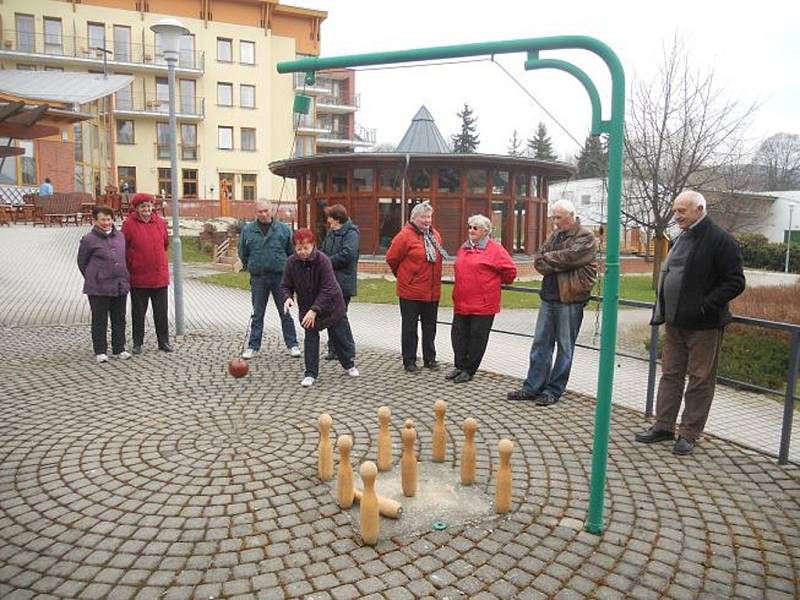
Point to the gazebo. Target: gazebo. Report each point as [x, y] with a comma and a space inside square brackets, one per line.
[380, 188]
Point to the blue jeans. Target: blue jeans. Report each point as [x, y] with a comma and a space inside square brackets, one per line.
[261, 286]
[557, 323]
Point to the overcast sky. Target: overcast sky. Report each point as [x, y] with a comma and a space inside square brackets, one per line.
[753, 48]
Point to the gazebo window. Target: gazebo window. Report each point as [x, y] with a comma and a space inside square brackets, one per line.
[420, 180]
[534, 186]
[449, 181]
[521, 184]
[388, 221]
[390, 179]
[322, 182]
[476, 181]
[362, 180]
[500, 185]
[339, 181]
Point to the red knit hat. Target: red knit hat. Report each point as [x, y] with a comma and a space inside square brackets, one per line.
[141, 197]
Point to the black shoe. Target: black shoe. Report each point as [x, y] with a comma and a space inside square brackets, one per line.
[462, 377]
[653, 435]
[432, 365]
[521, 395]
[452, 373]
[546, 400]
[683, 447]
[411, 368]
[330, 356]
[165, 347]
[137, 349]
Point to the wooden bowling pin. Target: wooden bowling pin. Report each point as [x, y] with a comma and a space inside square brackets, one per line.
[386, 506]
[384, 439]
[439, 432]
[468, 452]
[408, 462]
[325, 466]
[344, 478]
[502, 492]
[368, 509]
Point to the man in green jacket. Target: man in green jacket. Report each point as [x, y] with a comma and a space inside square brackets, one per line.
[264, 245]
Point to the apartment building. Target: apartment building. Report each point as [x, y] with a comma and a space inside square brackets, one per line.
[234, 110]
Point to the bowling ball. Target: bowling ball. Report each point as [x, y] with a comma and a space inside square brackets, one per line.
[238, 367]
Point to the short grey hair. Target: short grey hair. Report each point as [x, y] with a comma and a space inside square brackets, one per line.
[565, 205]
[263, 202]
[480, 221]
[696, 198]
[419, 209]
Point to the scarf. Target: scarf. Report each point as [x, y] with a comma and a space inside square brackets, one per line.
[432, 245]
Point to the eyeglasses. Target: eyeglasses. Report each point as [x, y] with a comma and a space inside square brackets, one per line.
[473, 227]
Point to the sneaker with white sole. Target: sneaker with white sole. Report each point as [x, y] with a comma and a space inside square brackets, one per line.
[101, 358]
[307, 381]
[353, 372]
[295, 352]
[124, 355]
[249, 353]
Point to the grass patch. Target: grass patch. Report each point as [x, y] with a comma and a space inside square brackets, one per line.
[233, 280]
[190, 250]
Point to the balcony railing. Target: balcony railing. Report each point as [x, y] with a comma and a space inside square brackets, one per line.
[185, 151]
[57, 48]
[345, 100]
[185, 106]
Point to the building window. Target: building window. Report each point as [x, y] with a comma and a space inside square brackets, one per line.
[97, 38]
[122, 43]
[224, 94]
[165, 181]
[162, 95]
[26, 67]
[247, 96]
[186, 52]
[186, 99]
[226, 186]
[224, 49]
[303, 146]
[79, 178]
[248, 139]
[247, 52]
[125, 132]
[162, 141]
[190, 183]
[123, 99]
[59, 69]
[53, 36]
[126, 179]
[26, 39]
[249, 186]
[188, 141]
[225, 138]
[78, 134]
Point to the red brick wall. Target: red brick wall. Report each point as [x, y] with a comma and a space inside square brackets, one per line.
[56, 159]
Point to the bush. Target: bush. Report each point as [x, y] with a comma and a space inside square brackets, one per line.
[209, 228]
[759, 253]
[237, 226]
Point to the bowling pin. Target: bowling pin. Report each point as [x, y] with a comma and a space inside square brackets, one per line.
[344, 478]
[325, 466]
[468, 452]
[439, 432]
[384, 439]
[502, 493]
[386, 506]
[368, 509]
[408, 462]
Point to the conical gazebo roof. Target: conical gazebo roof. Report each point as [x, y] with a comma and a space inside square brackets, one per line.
[422, 136]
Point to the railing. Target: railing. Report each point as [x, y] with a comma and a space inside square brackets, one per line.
[343, 100]
[117, 52]
[791, 376]
[191, 106]
[185, 151]
[221, 250]
[300, 82]
[13, 194]
[365, 134]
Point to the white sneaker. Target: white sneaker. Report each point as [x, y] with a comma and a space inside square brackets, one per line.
[353, 372]
[101, 358]
[124, 355]
[295, 352]
[249, 353]
[307, 381]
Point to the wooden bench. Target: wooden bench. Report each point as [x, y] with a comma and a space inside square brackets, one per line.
[58, 208]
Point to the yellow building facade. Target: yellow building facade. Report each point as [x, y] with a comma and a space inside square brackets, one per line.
[234, 111]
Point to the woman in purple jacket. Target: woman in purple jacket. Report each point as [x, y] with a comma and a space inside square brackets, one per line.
[101, 260]
[309, 275]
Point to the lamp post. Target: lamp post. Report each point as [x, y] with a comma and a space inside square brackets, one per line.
[788, 238]
[170, 32]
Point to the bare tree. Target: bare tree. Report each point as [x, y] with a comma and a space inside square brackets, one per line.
[779, 155]
[680, 128]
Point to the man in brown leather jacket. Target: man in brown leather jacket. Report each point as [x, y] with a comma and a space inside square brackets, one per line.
[568, 261]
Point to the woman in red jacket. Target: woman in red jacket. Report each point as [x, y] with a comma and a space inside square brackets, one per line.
[415, 257]
[482, 265]
[146, 251]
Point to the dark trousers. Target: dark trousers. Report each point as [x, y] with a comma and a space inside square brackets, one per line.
[469, 336]
[343, 348]
[102, 308]
[140, 297]
[413, 312]
[261, 287]
[349, 330]
[695, 353]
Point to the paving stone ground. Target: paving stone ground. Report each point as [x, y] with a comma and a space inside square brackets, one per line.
[163, 477]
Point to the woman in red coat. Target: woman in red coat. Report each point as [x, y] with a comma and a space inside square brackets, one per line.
[146, 251]
[415, 257]
[482, 265]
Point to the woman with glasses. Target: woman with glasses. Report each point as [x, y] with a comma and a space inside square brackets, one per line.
[481, 266]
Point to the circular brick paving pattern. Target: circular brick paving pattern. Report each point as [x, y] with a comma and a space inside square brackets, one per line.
[163, 477]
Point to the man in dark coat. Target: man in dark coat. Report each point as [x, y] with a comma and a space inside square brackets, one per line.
[309, 276]
[700, 276]
[341, 246]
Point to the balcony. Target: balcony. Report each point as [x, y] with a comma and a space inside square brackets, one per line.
[187, 108]
[318, 89]
[186, 152]
[334, 138]
[338, 104]
[71, 51]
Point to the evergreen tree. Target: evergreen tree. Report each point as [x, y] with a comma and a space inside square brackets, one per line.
[540, 146]
[593, 159]
[467, 141]
[514, 144]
